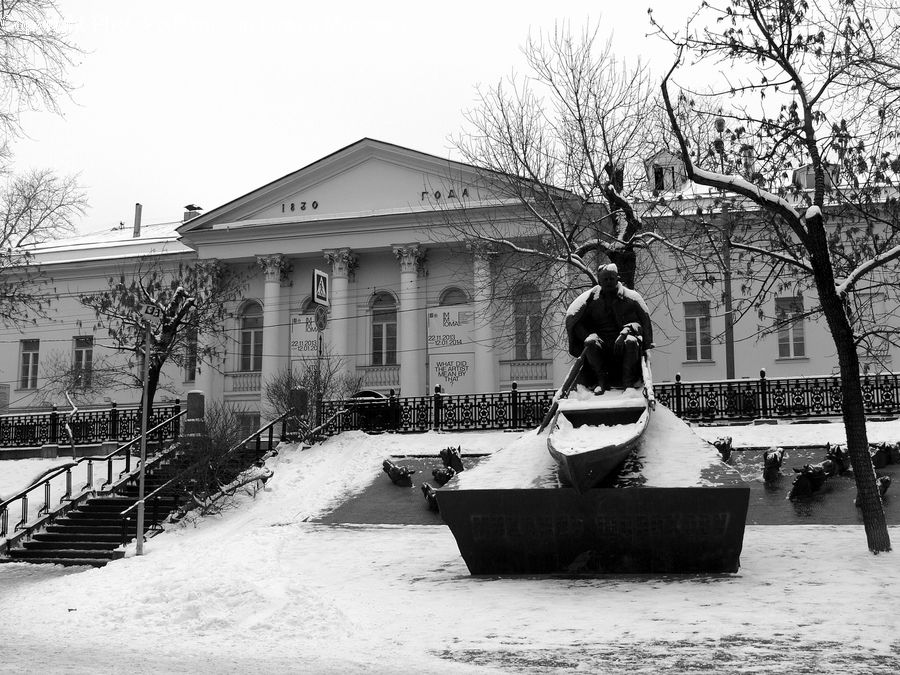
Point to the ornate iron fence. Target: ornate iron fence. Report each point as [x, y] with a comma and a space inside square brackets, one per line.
[87, 426]
[780, 398]
[512, 409]
[712, 401]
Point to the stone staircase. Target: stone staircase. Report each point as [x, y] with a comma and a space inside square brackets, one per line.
[92, 532]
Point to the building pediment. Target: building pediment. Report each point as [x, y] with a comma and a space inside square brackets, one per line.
[367, 178]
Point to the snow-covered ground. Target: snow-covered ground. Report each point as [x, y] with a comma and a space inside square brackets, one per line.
[261, 589]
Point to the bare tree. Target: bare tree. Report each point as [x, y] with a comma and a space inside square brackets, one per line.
[217, 470]
[35, 55]
[324, 378]
[34, 208]
[82, 382]
[566, 143]
[193, 301]
[809, 86]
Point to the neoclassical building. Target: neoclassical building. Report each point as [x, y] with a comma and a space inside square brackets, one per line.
[409, 306]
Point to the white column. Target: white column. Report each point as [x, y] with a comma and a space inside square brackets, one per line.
[343, 265]
[210, 380]
[274, 326]
[410, 340]
[483, 332]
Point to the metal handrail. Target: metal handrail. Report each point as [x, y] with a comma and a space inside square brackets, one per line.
[237, 446]
[67, 469]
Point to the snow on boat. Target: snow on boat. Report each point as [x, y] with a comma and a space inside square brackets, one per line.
[592, 435]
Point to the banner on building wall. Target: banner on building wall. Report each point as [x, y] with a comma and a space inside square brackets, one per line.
[451, 355]
[304, 337]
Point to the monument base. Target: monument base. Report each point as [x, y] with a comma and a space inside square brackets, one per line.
[604, 530]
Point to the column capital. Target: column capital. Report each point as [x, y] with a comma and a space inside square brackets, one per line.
[276, 268]
[411, 257]
[344, 262]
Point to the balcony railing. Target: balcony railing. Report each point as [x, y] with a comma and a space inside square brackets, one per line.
[525, 372]
[380, 377]
[243, 382]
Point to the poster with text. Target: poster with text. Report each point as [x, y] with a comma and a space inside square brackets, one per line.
[451, 356]
[304, 337]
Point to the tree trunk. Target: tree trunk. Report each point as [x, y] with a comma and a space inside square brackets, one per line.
[626, 260]
[851, 392]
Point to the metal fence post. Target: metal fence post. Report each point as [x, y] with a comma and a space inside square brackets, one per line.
[763, 393]
[678, 407]
[394, 408]
[514, 396]
[437, 407]
[54, 426]
[176, 411]
[113, 422]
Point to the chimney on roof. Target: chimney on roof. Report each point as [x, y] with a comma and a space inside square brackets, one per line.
[137, 220]
[191, 211]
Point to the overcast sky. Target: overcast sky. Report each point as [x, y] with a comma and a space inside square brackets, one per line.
[203, 101]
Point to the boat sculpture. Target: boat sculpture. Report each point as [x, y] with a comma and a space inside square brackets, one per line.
[591, 435]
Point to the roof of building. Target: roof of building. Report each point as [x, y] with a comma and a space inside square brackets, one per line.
[118, 242]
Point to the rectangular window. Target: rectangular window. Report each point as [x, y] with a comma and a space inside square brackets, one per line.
[190, 360]
[384, 344]
[521, 337]
[83, 360]
[789, 325]
[663, 177]
[697, 333]
[251, 346]
[528, 337]
[528, 320]
[29, 362]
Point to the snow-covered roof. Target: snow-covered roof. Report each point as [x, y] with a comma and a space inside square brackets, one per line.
[115, 243]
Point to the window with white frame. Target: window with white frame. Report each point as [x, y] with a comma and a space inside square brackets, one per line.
[789, 326]
[28, 371]
[384, 330]
[697, 333]
[83, 360]
[251, 340]
[190, 356]
[528, 321]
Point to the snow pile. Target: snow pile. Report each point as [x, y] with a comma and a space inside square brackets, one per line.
[570, 440]
[671, 454]
[523, 463]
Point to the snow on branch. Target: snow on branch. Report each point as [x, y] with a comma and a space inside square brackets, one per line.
[861, 270]
[743, 187]
[790, 260]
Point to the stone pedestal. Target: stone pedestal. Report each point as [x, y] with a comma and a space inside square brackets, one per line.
[605, 530]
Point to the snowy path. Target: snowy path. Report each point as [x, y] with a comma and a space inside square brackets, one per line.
[310, 598]
[263, 590]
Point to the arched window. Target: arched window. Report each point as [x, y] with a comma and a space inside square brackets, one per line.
[251, 337]
[527, 316]
[453, 296]
[308, 306]
[384, 330]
